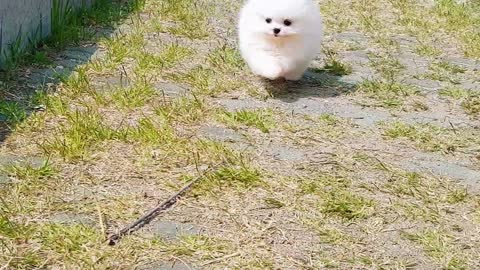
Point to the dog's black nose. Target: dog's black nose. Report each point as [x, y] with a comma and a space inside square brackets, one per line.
[276, 30]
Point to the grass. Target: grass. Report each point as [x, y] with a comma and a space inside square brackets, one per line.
[183, 109]
[444, 72]
[202, 247]
[119, 150]
[334, 65]
[387, 94]
[260, 119]
[427, 50]
[81, 131]
[133, 96]
[346, 205]
[454, 92]
[329, 119]
[429, 137]
[168, 58]
[12, 112]
[226, 58]
[336, 198]
[29, 171]
[439, 246]
[469, 99]
[461, 20]
[189, 18]
[70, 26]
[387, 66]
[149, 132]
[471, 104]
[237, 176]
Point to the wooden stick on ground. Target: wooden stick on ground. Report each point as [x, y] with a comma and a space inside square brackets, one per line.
[145, 219]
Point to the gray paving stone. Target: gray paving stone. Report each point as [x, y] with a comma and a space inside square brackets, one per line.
[168, 266]
[72, 219]
[285, 153]
[220, 134]
[170, 230]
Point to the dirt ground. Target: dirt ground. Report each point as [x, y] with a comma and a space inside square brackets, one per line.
[371, 161]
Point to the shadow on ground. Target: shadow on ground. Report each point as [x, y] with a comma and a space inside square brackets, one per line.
[313, 84]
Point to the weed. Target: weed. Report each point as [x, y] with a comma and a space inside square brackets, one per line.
[226, 59]
[346, 205]
[331, 235]
[30, 172]
[12, 112]
[183, 109]
[69, 241]
[333, 65]
[133, 96]
[388, 94]
[439, 246]
[427, 50]
[236, 176]
[387, 66]
[197, 245]
[73, 138]
[329, 119]
[67, 25]
[453, 92]
[470, 99]
[261, 119]
[149, 132]
[471, 104]
[188, 16]
[457, 196]
[169, 56]
[429, 137]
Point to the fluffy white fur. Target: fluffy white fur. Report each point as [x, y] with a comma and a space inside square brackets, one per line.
[288, 52]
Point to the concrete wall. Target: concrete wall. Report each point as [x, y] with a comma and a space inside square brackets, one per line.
[26, 20]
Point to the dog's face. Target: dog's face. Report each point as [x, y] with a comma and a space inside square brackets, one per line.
[280, 18]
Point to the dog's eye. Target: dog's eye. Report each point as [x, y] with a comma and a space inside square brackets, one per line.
[287, 22]
[268, 20]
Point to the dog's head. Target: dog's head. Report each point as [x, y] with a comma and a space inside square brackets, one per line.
[281, 18]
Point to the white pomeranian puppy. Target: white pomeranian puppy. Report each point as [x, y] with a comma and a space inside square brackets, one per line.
[279, 38]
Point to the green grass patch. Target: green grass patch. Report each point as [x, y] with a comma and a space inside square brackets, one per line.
[12, 112]
[134, 96]
[168, 58]
[198, 246]
[427, 50]
[150, 132]
[71, 26]
[470, 99]
[334, 65]
[429, 137]
[347, 205]
[387, 94]
[80, 131]
[189, 18]
[454, 92]
[237, 176]
[471, 104]
[388, 66]
[183, 109]
[440, 247]
[260, 119]
[226, 59]
[29, 171]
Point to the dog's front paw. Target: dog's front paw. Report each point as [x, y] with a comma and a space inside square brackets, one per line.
[272, 72]
[293, 76]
